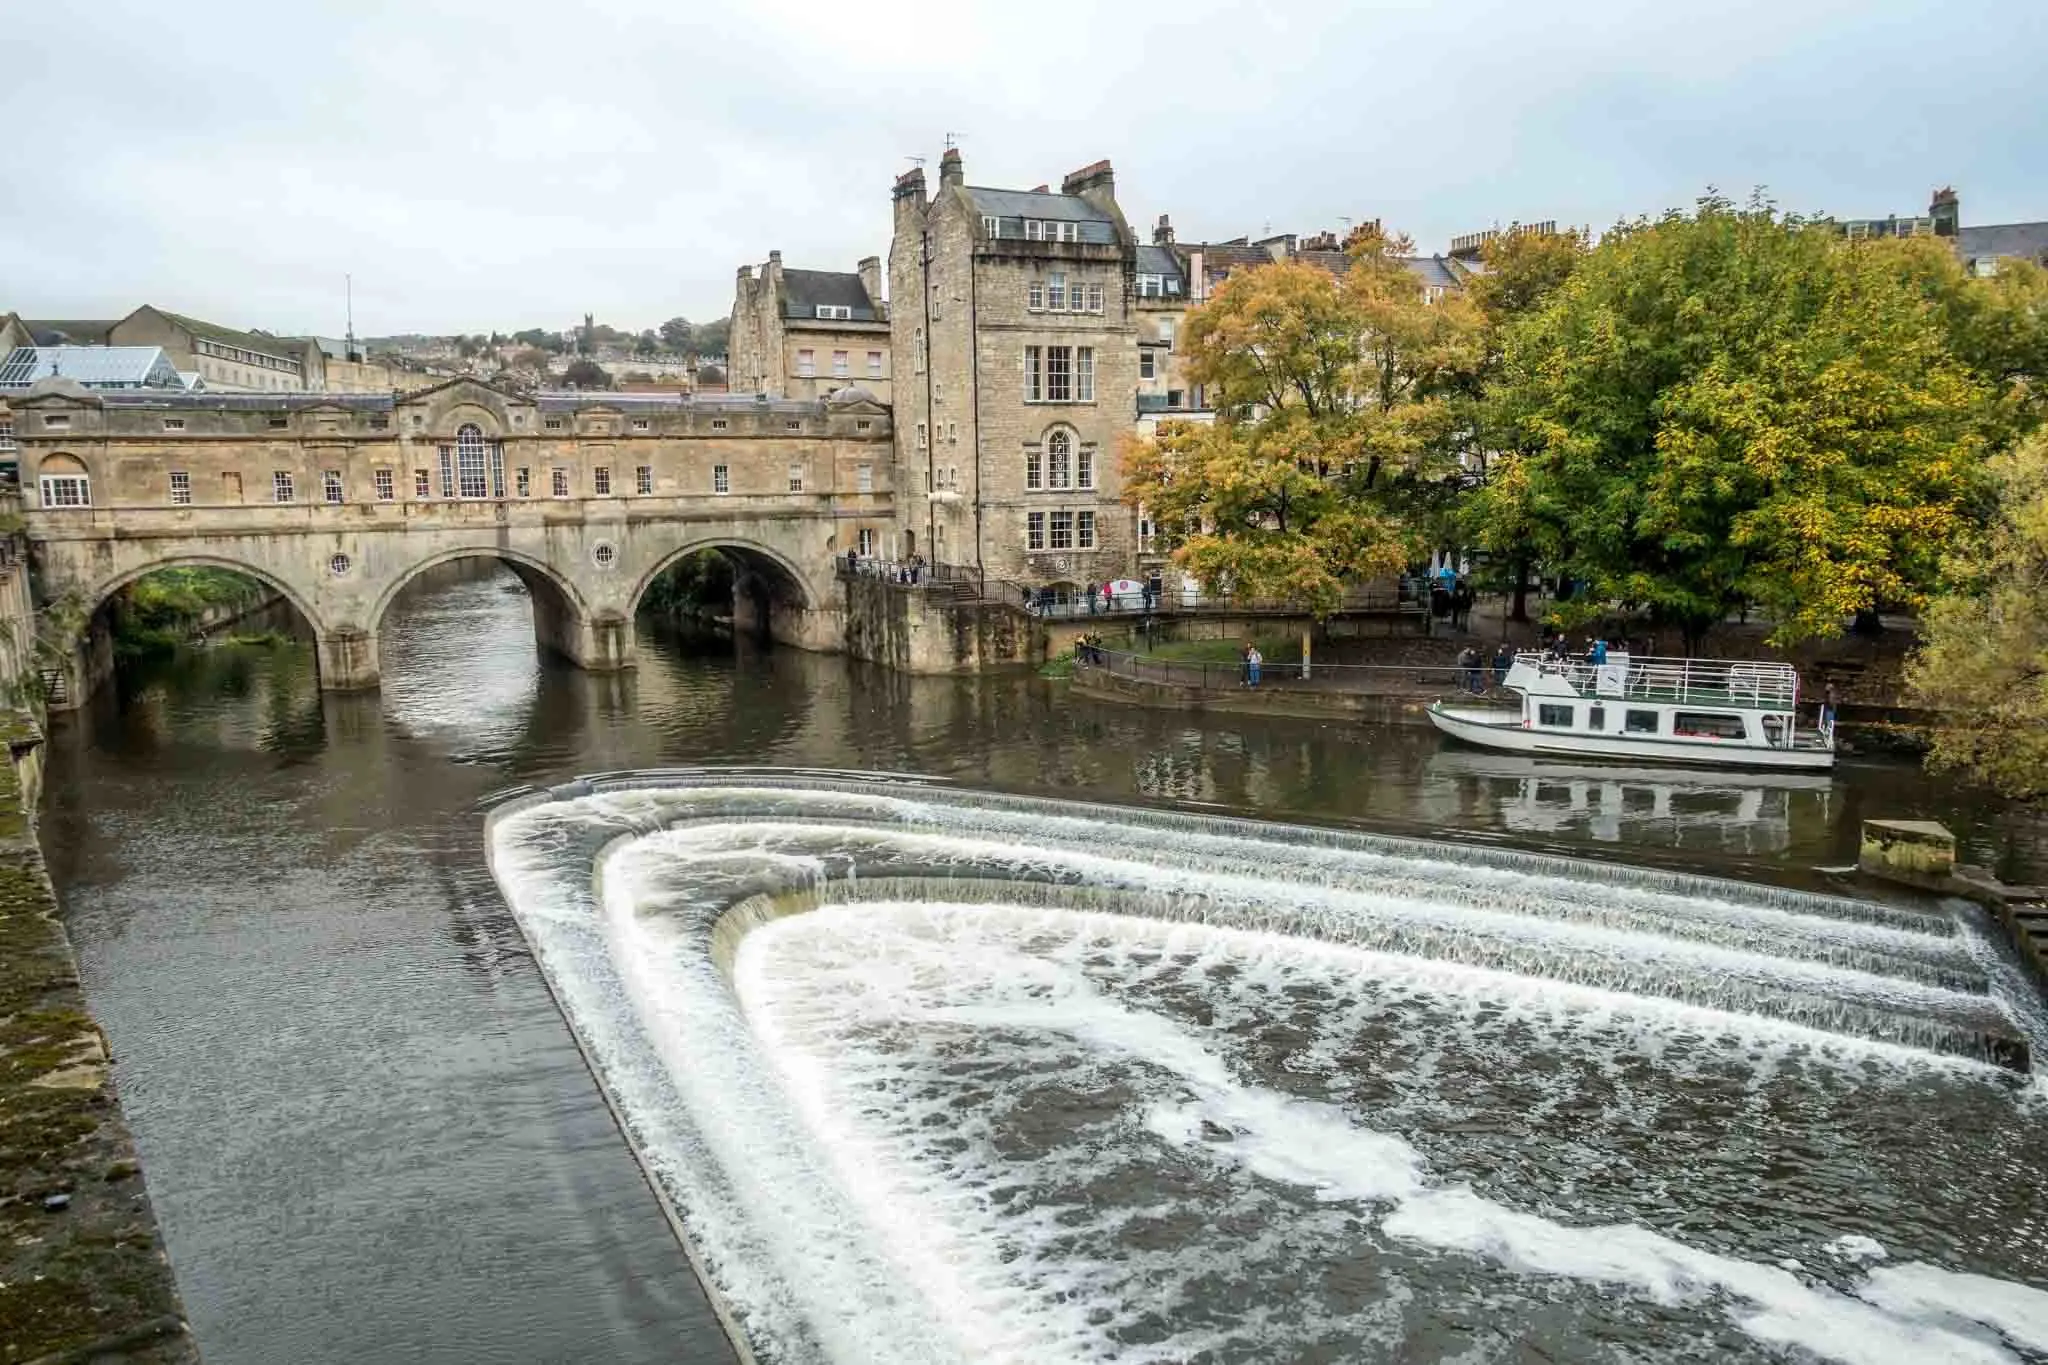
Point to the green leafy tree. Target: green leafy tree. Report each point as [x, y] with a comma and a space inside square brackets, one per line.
[647, 344]
[675, 334]
[1983, 660]
[1732, 407]
[584, 373]
[710, 338]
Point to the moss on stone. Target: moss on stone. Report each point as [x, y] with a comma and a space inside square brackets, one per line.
[81, 1269]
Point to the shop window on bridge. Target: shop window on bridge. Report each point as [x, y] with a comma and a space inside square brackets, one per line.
[721, 479]
[420, 487]
[525, 482]
[561, 483]
[66, 490]
[643, 479]
[386, 490]
[281, 486]
[330, 484]
[601, 480]
[181, 488]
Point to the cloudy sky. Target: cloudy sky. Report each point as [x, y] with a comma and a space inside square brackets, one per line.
[514, 164]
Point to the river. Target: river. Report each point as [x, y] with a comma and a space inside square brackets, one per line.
[368, 1132]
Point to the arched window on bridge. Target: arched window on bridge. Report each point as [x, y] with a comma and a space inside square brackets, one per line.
[63, 482]
[473, 467]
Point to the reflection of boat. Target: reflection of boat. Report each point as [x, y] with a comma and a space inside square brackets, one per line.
[1687, 711]
[1460, 762]
[1613, 802]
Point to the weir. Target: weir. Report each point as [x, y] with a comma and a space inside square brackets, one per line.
[819, 998]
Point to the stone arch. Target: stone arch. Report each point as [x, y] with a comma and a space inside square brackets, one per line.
[752, 554]
[63, 480]
[61, 462]
[98, 596]
[531, 571]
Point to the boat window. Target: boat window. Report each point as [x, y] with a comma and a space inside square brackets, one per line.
[1596, 719]
[1707, 725]
[1554, 715]
[1641, 722]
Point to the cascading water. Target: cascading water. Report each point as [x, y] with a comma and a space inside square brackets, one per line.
[929, 1074]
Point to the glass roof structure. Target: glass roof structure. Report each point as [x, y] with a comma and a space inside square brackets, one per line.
[94, 367]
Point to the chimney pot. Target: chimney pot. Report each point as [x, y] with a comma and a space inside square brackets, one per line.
[950, 172]
[1162, 234]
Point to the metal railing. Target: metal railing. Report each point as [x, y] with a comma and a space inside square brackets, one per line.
[1070, 604]
[1747, 684]
[1393, 680]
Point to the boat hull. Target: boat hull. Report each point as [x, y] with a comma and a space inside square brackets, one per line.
[1504, 731]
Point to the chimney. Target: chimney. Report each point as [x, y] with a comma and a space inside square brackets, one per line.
[1162, 232]
[949, 168]
[870, 269]
[1095, 183]
[909, 183]
[1947, 212]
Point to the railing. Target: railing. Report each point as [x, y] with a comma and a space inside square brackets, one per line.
[1747, 684]
[1390, 680]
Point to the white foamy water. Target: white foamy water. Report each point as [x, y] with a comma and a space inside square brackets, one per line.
[1028, 1082]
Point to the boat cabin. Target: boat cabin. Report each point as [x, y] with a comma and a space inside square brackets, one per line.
[1709, 702]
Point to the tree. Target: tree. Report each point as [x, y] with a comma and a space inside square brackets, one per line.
[1521, 271]
[710, 374]
[675, 334]
[1331, 420]
[1983, 661]
[1729, 408]
[647, 343]
[710, 338]
[584, 373]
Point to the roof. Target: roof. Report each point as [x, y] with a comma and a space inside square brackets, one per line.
[1228, 256]
[92, 367]
[1097, 224]
[68, 333]
[1158, 260]
[1433, 271]
[284, 348]
[2008, 239]
[806, 291]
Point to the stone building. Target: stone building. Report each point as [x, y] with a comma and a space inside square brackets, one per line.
[226, 359]
[1013, 310]
[1979, 248]
[807, 333]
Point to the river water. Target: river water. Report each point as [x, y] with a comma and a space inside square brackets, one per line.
[369, 1134]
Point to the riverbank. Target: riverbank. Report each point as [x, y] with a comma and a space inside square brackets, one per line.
[83, 1275]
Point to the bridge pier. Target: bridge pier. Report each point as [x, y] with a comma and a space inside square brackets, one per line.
[348, 660]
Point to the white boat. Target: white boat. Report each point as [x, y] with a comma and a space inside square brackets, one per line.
[1686, 711]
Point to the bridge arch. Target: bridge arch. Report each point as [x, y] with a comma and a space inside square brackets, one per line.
[97, 597]
[751, 555]
[537, 574]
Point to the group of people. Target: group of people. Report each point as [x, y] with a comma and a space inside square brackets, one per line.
[909, 572]
[1101, 597]
[1558, 649]
[1472, 667]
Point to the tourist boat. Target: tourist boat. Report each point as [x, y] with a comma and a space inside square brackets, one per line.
[1685, 711]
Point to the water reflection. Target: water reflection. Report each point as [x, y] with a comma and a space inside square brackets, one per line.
[1717, 811]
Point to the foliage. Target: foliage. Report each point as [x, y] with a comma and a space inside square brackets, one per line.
[1334, 420]
[1983, 660]
[584, 373]
[647, 344]
[160, 610]
[675, 334]
[700, 584]
[711, 338]
[1734, 407]
[710, 374]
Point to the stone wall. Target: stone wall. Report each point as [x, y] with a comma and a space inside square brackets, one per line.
[915, 630]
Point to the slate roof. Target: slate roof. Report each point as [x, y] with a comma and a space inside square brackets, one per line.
[1014, 206]
[1433, 270]
[2007, 239]
[805, 291]
[68, 333]
[1159, 260]
[284, 348]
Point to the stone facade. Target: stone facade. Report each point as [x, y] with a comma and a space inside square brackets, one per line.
[809, 333]
[337, 502]
[1015, 396]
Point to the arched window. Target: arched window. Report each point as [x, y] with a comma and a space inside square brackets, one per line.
[473, 467]
[1059, 460]
[63, 482]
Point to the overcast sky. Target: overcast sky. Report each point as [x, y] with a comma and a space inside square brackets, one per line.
[514, 164]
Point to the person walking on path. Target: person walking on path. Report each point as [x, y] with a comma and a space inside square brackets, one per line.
[1092, 590]
[1252, 660]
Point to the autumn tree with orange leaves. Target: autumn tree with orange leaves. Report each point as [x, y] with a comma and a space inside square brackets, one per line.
[1332, 399]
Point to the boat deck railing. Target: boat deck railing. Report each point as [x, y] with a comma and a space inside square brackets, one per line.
[1747, 684]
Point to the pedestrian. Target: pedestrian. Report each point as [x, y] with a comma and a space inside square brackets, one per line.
[852, 560]
[1462, 599]
[1468, 668]
[1244, 664]
[1503, 659]
[1027, 596]
[1252, 661]
[1599, 652]
[1091, 597]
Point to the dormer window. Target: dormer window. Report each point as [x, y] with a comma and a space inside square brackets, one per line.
[1040, 230]
[835, 311]
[991, 226]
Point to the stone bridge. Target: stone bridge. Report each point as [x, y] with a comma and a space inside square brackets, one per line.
[337, 502]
